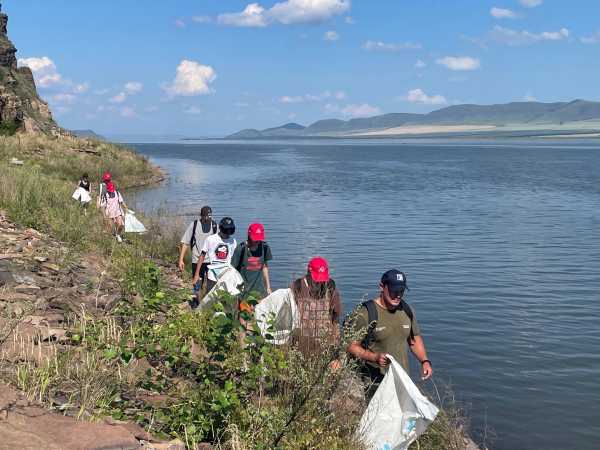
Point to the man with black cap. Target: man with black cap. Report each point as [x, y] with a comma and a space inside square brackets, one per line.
[390, 327]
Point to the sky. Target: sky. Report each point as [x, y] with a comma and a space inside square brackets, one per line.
[211, 67]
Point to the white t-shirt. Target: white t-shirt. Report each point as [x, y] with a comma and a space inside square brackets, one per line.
[218, 254]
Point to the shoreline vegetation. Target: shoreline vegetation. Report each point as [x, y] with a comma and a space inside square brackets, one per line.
[101, 333]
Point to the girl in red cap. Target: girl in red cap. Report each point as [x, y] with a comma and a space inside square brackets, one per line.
[251, 259]
[113, 205]
[319, 307]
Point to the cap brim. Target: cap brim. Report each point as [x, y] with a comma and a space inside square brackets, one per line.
[319, 277]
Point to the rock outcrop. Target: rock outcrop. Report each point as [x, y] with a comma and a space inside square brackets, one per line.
[21, 108]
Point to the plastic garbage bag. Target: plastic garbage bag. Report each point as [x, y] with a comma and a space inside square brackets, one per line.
[81, 195]
[229, 281]
[132, 224]
[277, 315]
[397, 414]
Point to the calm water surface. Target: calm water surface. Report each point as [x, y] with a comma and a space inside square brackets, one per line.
[499, 241]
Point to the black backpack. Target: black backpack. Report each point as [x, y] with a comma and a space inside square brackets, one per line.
[193, 239]
[373, 316]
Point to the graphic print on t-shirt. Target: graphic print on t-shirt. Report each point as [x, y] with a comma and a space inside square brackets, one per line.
[222, 252]
[254, 263]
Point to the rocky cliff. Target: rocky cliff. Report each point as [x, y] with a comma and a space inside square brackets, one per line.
[21, 108]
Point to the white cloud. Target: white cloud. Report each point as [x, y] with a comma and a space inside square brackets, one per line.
[81, 88]
[338, 95]
[331, 36]
[531, 3]
[133, 87]
[529, 97]
[287, 12]
[307, 11]
[591, 39]
[378, 46]
[502, 13]
[201, 19]
[362, 110]
[192, 78]
[420, 64]
[349, 20]
[459, 62]
[418, 96]
[44, 70]
[67, 99]
[523, 37]
[193, 110]
[251, 16]
[179, 23]
[119, 98]
[128, 112]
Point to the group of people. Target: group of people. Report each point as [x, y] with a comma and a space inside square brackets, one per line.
[109, 200]
[386, 325]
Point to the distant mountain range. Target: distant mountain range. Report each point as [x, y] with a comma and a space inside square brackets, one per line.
[521, 115]
[87, 134]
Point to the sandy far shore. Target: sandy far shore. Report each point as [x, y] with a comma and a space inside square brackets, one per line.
[426, 129]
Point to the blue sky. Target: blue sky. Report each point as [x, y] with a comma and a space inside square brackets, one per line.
[209, 67]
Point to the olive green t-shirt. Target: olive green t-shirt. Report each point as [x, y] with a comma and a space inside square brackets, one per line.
[391, 333]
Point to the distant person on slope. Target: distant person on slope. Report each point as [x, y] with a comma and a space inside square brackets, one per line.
[251, 260]
[319, 309]
[106, 178]
[217, 251]
[194, 237]
[82, 193]
[389, 326]
[113, 205]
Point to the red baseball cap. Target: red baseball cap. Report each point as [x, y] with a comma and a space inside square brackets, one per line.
[107, 176]
[110, 187]
[256, 232]
[319, 269]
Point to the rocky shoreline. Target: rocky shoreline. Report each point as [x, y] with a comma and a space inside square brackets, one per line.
[41, 285]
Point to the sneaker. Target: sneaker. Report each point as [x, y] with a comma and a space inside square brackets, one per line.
[119, 238]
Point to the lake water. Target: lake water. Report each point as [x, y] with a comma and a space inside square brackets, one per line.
[499, 241]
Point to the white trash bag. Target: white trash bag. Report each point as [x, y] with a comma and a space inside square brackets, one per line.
[132, 224]
[81, 195]
[397, 414]
[229, 281]
[277, 315]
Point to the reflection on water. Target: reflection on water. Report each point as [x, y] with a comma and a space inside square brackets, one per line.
[499, 242]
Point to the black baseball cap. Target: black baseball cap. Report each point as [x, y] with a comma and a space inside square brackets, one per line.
[394, 280]
[227, 226]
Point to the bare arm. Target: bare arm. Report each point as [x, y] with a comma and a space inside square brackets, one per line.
[418, 349]
[358, 351]
[182, 252]
[198, 266]
[265, 274]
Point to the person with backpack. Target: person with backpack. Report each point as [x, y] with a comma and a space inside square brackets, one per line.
[319, 309]
[114, 205]
[251, 259]
[82, 192]
[106, 178]
[193, 238]
[217, 252]
[389, 326]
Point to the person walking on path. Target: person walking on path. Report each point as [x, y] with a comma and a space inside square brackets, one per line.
[319, 310]
[389, 326]
[194, 237]
[251, 259]
[82, 192]
[113, 205]
[106, 178]
[217, 251]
